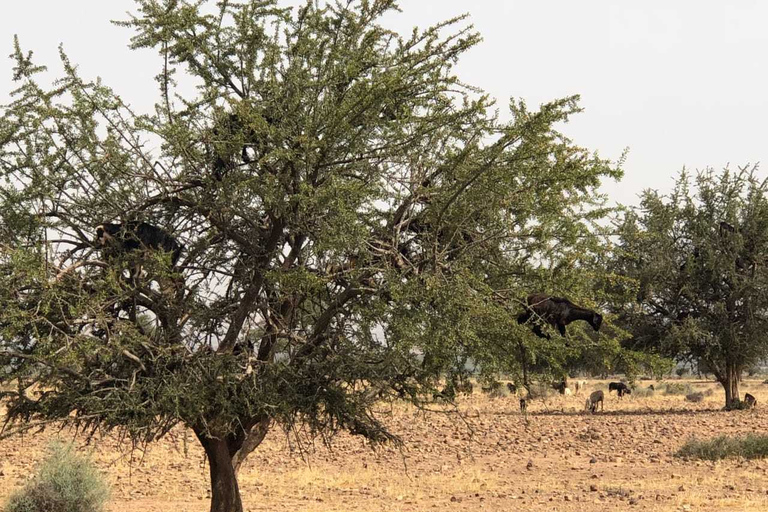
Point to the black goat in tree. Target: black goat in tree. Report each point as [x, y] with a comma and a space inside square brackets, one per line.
[117, 239]
[557, 312]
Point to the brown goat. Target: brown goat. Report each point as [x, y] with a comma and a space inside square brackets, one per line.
[595, 398]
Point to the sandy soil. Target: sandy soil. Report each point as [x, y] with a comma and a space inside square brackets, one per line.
[562, 460]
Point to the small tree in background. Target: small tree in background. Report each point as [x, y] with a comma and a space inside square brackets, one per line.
[356, 222]
[699, 258]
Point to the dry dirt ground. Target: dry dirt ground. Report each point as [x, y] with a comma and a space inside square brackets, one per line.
[562, 460]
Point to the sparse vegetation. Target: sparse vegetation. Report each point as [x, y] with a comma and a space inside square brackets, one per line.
[643, 392]
[65, 482]
[678, 388]
[751, 446]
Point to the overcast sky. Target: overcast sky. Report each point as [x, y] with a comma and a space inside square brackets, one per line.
[680, 83]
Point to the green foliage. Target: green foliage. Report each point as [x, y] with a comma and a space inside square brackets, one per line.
[358, 224]
[64, 482]
[751, 446]
[693, 264]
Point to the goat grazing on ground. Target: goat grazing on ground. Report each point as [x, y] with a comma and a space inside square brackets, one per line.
[557, 312]
[595, 398]
[750, 400]
[620, 388]
[523, 406]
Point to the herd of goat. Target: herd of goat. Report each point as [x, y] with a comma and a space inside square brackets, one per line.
[597, 398]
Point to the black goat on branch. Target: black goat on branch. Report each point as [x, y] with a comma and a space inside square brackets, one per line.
[116, 239]
[556, 311]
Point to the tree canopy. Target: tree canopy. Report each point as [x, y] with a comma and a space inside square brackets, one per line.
[355, 223]
[698, 258]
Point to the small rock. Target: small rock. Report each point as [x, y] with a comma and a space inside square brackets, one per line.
[593, 488]
[593, 460]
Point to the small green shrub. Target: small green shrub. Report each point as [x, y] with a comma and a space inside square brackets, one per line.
[539, 390]
[738, 405]
[751, 446]
[678, 388]
[65, 482]
[642, 392]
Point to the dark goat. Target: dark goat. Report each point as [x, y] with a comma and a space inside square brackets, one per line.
[560, 386]
[558, 312]
[116, 239]
[523, 405]
[750, 400]
[620, 388]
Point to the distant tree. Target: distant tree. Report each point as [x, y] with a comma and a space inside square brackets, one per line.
[355, 222]
[698, 257]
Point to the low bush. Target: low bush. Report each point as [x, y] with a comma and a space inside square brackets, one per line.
[698, 396]
[738, 405]
[678, 388]
[641, 392]
[539, 390]
[751, 446]
[64, 482]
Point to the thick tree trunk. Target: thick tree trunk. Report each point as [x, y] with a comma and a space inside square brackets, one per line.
[225, 456]
[730, 381]
[225, 494]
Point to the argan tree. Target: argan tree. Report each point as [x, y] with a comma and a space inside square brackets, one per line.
[698, 257]
[351, 215]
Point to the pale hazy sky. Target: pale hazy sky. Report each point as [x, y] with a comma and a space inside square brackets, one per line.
[680, 83]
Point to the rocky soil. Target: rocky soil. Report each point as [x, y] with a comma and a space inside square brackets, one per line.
[490, 459]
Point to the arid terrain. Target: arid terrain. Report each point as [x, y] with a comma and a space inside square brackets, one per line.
[562, 460]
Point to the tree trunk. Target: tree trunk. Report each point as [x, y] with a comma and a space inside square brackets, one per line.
[730, 381]
[253, 438]
[225, 494]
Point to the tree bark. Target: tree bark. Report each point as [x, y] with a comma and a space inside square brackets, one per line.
[225, 493]
[730, 381]
[253, 438]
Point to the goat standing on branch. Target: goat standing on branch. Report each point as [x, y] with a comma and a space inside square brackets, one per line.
[557, 312]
